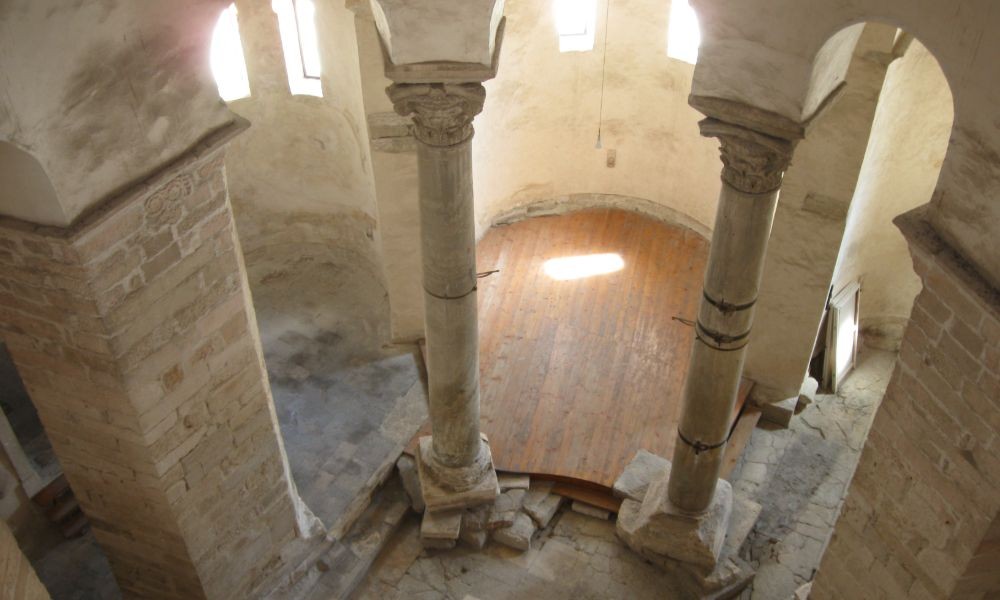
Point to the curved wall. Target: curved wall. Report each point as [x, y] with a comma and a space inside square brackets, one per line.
[535, 139]
[904, 156]
[300, 178]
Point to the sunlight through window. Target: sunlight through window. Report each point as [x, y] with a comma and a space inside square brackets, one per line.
[579, 267]
[575, 20]
[226, 57]
[297, 24]
[683, 33]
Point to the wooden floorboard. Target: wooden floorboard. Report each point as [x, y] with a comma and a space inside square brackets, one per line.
[577, 376]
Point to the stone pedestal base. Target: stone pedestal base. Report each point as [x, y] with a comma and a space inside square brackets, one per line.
[447, 488]
[657, 526]
[730, 573]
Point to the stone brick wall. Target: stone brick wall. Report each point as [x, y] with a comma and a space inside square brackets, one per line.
[135, 336]
[17, 579]
[982, 577]
[920, 517]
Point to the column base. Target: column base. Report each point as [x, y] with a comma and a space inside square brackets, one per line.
[658, 527]
[447, 488]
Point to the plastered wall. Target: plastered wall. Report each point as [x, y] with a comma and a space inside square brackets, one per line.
[902, 163]
[301, 177]
[535, 138]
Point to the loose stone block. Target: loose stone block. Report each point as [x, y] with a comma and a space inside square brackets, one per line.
[634, 480]
[477, 519]
[506, 508]
[807, 393]
[541, 504]
[513, 481]
[475, 539]
[411, 482]
[591, 511]
[518, 535]
[779, 413]
[440, 529]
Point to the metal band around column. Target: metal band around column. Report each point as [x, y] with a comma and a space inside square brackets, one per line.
[698, 445]
[718, 340]
[726, 307]
[459, 297]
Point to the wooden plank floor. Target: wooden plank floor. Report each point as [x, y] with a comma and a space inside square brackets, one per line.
[578, 375]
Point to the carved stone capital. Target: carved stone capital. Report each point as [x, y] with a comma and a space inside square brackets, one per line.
[753, 162]
[442, 112]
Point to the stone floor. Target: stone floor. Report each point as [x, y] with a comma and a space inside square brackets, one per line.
[346, 401]
[799, 475]
[77, 569]
[346, 405]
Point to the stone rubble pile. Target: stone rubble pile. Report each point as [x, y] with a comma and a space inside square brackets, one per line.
[523, 508]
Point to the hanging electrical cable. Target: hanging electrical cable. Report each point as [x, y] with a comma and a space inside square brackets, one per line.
[604, 64]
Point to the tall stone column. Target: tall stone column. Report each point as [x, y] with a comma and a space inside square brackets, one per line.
[455, 465]
[685, 513]
[751, 177]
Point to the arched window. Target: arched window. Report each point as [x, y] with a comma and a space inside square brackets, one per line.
[297, 22]
[226, 56]
[683, 33]
[575, 21]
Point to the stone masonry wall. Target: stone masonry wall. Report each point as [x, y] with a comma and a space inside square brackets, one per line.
[135, 336]
[17, 578]
[920, 517]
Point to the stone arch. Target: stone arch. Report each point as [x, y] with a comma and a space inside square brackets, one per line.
[900, 172]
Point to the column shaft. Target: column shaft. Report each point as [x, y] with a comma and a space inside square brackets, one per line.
[751, 178]
[448, 242]
[455, 465]
[735, 264]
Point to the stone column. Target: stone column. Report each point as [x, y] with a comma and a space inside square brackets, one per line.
[751, 176]
[456, 468]
[685, 514]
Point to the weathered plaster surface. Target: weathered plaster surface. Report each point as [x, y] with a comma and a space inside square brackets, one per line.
[763, 52]
[907, 147]
[301, 178]
[535, 139]
[438, 30]
[103, 94]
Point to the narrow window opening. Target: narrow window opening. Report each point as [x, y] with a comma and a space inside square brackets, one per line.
[683, 33]
[229, 66]
[575, 22]
[297, 24]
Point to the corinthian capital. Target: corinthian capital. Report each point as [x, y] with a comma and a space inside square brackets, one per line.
[442, 112]
[752, 162]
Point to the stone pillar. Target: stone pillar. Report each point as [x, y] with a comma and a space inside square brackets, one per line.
[455, 464]
[685, 514]
[922, 514]
[134, 333]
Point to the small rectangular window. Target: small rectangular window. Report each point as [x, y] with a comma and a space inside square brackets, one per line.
[228, 64]
[683, 33]
[575, 22]
[297, 24]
